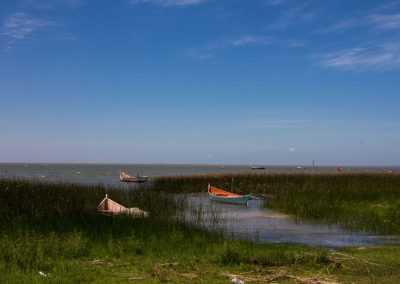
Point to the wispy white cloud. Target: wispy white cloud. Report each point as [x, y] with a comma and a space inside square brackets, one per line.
[200, 54]
[381, 57]
[377, 48]
[295, 14]
[250, 40]
[385, 21]
[209, 51]
[19, 26]
[167, 3]
[342, 25]
[293, 43]
[389, 5]
[374, 20]
[292, 149]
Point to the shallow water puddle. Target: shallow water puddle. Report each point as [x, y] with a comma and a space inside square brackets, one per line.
[263, 225]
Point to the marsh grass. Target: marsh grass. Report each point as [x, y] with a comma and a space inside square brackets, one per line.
[36, 200]
[55, 229]
[49, 226]
[366, 202]
[360, 201]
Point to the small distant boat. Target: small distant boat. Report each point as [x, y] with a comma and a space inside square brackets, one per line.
[110, 207]
[300, 168]
[220, 195]
[257, 167]
[339, 169]
[128, 178]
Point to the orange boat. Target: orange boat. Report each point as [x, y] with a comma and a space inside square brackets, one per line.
[220, 195]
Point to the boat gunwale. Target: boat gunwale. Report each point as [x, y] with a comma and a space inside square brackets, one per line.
[228, 194]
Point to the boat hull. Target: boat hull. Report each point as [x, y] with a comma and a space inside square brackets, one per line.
[134, 179]
[257, 168]
[220, 195]
[232, 200]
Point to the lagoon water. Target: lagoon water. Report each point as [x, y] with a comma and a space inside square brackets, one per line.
[258, 224]
[252, 222]
[107, 174]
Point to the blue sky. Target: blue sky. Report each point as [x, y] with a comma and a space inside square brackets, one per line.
[200, 81]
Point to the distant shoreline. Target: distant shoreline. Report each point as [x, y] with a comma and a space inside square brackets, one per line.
[197, 164]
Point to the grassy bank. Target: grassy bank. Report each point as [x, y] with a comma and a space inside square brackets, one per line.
[361, 202]
[53, 233]
[366, 202]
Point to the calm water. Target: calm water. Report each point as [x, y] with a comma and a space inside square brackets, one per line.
[108, 173]
[263, 225]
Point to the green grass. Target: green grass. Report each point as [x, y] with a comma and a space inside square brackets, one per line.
[361, 202]
[178, 255]
[365, 202]
[56, 229]
[164, 252]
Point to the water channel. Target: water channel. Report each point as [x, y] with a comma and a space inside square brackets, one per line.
[255, 223]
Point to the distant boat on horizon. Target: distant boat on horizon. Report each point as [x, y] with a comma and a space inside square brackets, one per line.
[257, 167]
[124, 177]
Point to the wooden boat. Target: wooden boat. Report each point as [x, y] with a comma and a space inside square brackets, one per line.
[257, 167]
[220, 195]
[127, 178]
[110, 207]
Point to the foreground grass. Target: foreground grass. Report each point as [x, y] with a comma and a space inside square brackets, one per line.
[53, 233]
[365, 202]
[176, 254]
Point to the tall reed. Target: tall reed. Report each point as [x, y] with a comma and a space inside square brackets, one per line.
[365, 201]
